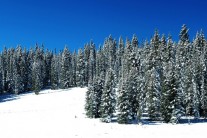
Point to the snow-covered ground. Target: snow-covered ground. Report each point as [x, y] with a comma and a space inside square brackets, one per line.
[60, 114]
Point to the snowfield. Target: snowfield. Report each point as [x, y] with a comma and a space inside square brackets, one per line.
[60, 114]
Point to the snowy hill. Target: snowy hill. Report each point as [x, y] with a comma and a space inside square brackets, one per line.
[60, 114]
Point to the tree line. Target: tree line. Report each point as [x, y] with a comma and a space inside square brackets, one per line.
[161, 78]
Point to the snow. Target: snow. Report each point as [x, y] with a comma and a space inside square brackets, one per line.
[60, 114]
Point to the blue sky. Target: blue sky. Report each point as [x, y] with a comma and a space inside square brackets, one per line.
[57, 23]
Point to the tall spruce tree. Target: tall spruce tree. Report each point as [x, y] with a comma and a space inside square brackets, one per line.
[54, 73]
[108, 102]
[37, 71]
[65, 74]
[125, 115]
[153, 95]
[80, 72]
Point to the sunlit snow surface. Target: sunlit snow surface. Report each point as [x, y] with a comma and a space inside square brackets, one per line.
[60, 114]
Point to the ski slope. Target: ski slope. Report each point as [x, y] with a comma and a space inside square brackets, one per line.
[60, 114]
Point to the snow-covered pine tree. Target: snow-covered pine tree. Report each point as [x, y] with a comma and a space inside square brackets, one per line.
[199, 69]
[112, 52]
[192, 93]
[4, 69]
[181, 63]
[74, 68]
[127, 63]
[98, 62]
[102, 63]
[86, 60]
[80, 72]
[203, 64]
[96, 97]
[124, 105]
[18, 75]
[47, 63]
[153, 95]
[65, 74]
[169, 87]
[54, 73]
[92, 61]
[24, 69]
[108, 102]
[10, 70]
[89, 100]
[119, 55]
[37, 71]
[141, 94]
[184, 36]
[30, 61]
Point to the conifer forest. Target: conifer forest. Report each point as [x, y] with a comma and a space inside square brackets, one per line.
[162, 79]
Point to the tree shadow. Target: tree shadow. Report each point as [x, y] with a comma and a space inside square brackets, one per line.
[192, 121]
[147, 121]
[8, 97]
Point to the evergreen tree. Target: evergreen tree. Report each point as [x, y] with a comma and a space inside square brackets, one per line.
[184, 36]
[54, 73]
[37, 71]
[124, 105]
[89, 101]
[10, 70]
[18, 66]
[65, 75]
[29, 64]
[74, 68]
[141, 94]
[86, 59]
[153, 95]
[108, 102]
[119, 54]
[80, 69]
[47, 63]
[92, 61]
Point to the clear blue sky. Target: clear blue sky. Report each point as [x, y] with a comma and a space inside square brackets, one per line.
[74, 22]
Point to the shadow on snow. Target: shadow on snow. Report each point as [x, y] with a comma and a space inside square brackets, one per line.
[8, 97]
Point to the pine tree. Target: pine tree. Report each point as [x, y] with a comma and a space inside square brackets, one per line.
[89, 100]
[169, 91]
[124, 105]
[10, 70]
[74, 68]
[4, 69]
[80, 69]
[47, 63]
[119, 54]
[86, 59]
[153, 94]
[37, 71]
[54, 73]
[24, 69]
[65, 75]
[141, 94]
[29, 64]
[92, 61]
[184, 36]
[98, 90]
[18, 78]
[108, 102]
